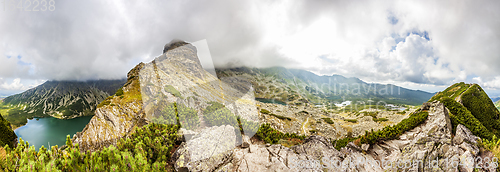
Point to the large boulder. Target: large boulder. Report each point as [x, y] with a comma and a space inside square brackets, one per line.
[208, 150]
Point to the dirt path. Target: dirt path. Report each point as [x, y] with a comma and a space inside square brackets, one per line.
[304, 125]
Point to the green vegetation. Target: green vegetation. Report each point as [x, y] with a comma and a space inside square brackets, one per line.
[148, 149]
[351, 120]
[481, 107]
[387, 133]
[17, 116]
[281, 117]
[492, 145]
[273, 136]
[340, 143]
[477, 112]
[6, 133]
[105, 102]
[170, 89]
[380, 119]
[264, 111]
[119, 92]
[460, 115]
[217, 114]
[328, 120]
[173, 113]
[393, 132]
[452, 92]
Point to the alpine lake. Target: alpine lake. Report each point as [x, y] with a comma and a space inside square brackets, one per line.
[50, 131]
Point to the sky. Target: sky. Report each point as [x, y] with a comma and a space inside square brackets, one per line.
[425, 45]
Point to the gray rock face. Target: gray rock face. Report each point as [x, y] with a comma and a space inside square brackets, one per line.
[464, 134]
[208, 150]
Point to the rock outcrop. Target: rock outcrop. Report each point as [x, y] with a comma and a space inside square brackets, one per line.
[207, 151]
[175, 77]
[428, 147]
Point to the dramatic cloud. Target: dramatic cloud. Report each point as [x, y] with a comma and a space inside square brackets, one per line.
[418, 43]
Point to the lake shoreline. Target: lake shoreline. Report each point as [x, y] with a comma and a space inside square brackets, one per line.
[50, 131]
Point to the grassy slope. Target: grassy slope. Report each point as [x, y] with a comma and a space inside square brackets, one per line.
[6, 133]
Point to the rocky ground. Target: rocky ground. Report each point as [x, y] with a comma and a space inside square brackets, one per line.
[428, 147]
[308, 120]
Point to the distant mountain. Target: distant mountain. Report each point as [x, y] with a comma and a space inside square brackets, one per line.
[299, 86]
[60, 99]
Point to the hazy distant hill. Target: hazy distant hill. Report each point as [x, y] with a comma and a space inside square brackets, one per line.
[300, 86]
[60, 99]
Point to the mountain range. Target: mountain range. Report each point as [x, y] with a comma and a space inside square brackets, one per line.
[297, 86]
[59, 99]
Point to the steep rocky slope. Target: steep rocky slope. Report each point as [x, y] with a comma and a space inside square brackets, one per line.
[60, 99]
[173, 88]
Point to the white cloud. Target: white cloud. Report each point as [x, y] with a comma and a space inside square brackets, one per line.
[15, 85]
[372, 40]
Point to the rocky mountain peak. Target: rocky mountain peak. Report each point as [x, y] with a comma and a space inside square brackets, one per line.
[173, 85]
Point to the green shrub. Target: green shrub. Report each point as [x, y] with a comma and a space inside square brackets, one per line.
[147, 149]
[179, 114]
[340, 143]
[264, 111]
[351, 120]
[460, 115]
[393, 132]
[105, 102]
[482, 108]
[272, 136]
[281, 117]
[327, 120]
[119, 92]
[380, 119]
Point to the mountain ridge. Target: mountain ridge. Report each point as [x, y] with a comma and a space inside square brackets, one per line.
[59, 99]
[290, 85]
